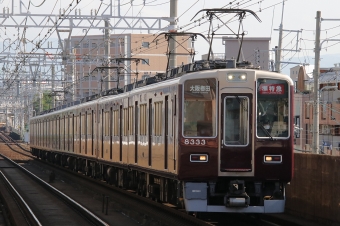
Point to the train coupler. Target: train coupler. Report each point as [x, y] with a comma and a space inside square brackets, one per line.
[236, 196]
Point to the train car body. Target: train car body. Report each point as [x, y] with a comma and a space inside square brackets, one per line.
[207, 140]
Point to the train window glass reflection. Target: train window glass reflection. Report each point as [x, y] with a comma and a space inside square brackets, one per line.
[125, 121]
[272, 108]
[158, 118]
[115, 124]
[142, 109]
[131, 131]
[236, 121]
[199, 108]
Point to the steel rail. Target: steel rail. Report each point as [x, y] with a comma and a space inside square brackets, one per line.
[82, 210]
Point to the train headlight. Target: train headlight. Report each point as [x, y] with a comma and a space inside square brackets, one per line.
[243, 77]
[198, 158]
[236, 77]
[272, 159]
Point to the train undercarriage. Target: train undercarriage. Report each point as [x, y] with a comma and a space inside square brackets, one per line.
[222, 195]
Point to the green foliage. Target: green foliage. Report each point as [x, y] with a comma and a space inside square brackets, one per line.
[46, 102]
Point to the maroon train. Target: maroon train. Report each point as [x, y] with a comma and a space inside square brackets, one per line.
[207, 138]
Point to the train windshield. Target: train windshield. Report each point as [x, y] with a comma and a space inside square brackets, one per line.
[272, 108]
[236, 120]
[199, 108]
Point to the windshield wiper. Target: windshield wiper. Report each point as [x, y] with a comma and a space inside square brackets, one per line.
[265, 131]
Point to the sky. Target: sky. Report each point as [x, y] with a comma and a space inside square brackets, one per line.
[298, 15]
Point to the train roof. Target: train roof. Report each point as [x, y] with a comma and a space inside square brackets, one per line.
[159, 79]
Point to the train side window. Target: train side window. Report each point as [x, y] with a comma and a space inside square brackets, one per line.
[89, 123]
[199, 108]
[130, 123]
[125, 121]
[158, 117]
[143, 115]
[83, 125]
[115, 124]
[106, 123]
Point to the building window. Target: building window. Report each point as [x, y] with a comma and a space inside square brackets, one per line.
[76, 45]
[331, 110]
[297, 127]
[86, 45]
[337, 131]
[145, 61]
[307, 110]
[94, 45]
[121, 42]
[145, 44]
[307, 141]
[112, 44]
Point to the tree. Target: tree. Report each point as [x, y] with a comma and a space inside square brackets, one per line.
[47, 99]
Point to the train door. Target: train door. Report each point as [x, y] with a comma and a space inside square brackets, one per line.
[67, 130]
[166, 131]
[72, 133]
[58, 133]
[136, 131]
[143, 135]
[95, 131]
[150, 133]
[86, 131]
[130, 136]
[62, 132]
[106, 135]
[89, 132]
[101, 133]
[80, 127]
[115, 135]
[174, 130]
[76, 134]
[236, 145]
[47, 132]
[111, 131]
[120, 133]
[92, 131]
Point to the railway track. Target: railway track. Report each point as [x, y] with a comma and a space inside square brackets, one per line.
[38, 203]
[105, 200]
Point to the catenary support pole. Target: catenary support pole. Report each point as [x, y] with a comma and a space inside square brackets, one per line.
[316, 73]
[173, 27]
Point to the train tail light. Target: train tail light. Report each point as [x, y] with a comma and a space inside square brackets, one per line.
[198, 158]
[272, 159]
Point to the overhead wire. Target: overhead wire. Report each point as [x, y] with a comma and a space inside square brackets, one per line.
[19, 65]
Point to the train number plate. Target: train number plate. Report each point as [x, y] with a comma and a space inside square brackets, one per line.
[195, 142]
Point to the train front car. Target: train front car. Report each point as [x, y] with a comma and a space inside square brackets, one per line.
[236, 140]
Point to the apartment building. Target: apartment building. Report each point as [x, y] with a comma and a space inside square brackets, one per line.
[131, 57]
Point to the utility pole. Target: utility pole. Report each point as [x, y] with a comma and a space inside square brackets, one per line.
[316, 73]
[173, 27]
[278, 53]
[53, 78]
[107, 55]
[73, 71]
